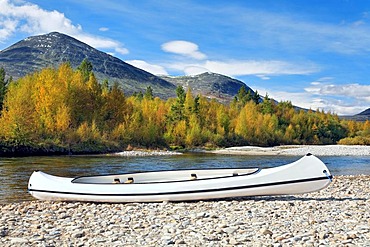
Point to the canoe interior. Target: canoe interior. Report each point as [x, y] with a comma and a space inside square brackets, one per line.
[163, 176]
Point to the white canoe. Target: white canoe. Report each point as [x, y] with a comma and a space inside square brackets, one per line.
[307, 174]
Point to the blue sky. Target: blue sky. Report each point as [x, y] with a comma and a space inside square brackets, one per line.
[313, 53]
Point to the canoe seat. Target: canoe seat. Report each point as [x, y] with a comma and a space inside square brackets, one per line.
[193, 176]
[129, 181]
[116, 181]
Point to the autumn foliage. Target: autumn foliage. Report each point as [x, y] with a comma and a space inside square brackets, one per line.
[66, 110]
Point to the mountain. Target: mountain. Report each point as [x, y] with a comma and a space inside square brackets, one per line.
[362, 116]
[210, 85]
[49, 50]
[364, 113]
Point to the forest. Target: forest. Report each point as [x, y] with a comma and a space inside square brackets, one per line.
[65, 110]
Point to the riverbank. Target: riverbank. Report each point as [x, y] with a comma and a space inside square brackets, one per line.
[337, 215]
[289, 150]
[145, 153]
[299, 150]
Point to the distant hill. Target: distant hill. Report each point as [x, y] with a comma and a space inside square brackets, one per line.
[362, 116]
[210, 85]
[364, 113]
[49, 50]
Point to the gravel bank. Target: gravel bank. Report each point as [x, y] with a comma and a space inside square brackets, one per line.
[145, 153]
[299, 150]
[336, 216]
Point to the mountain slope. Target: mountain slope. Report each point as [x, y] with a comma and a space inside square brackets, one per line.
[211, 85]
[364, 113]
[50, 50]
[362, 116]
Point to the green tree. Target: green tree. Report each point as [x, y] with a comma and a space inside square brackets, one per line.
[243, 96]
[114, 108]
[3, 87]
[85, 68]
[256, 97]
[149, 93]
[177, 112]
[267, 105]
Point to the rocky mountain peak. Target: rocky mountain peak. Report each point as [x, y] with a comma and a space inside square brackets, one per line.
[211, 85]
[50, 50]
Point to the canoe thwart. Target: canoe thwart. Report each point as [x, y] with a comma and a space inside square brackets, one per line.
[129, 180]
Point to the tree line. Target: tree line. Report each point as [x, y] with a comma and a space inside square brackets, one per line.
[67, 110]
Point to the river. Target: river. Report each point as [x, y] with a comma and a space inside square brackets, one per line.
[15, 172]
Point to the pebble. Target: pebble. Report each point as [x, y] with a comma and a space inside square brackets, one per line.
[331, 217]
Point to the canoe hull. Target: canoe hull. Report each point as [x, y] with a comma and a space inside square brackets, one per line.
[308, 174]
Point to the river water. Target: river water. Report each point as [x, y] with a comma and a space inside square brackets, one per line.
[15, 172]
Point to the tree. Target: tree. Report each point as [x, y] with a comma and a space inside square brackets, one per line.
[114, 108]
[17, 121]
[256, 97]
[267, 105]
[3, 87]
[85, 68]
[177, 112]
[243, 96]
[149, 93]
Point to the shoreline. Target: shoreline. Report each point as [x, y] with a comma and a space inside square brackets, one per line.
[286, 150]
[298, 150]
[337, 215]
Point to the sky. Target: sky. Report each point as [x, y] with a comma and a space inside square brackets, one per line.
[313, 53]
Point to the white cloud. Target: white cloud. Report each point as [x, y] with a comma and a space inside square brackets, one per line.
[309, 101]
[263, 77]
[354, 90]
[31, 19]
[344, 99]
[347, 99]
[195, 70]
[151, 68]
[184, 48]
[121, 50]
[252, 67]
[262, 69]
[103, 29]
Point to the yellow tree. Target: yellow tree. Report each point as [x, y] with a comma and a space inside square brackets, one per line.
[366, 128]
[194, 132]
[17, 122]
[245, 123]
[47, 97]
[77, 98]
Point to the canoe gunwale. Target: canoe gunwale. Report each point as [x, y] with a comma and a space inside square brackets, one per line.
[257, 170]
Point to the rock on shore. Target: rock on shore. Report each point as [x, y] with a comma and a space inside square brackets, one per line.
[336, 216]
